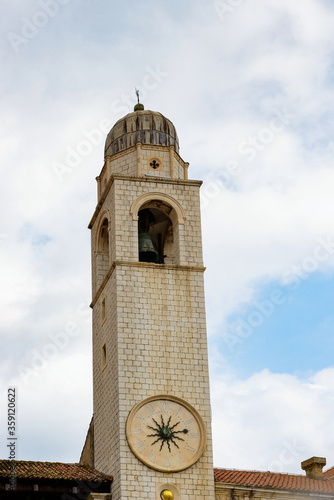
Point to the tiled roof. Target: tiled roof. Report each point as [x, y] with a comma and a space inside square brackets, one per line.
[52, 470]
[273, 480]
[329, 473]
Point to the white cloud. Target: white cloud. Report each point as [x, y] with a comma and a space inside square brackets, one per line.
[262, 234]
[272, 421]
[54, 408]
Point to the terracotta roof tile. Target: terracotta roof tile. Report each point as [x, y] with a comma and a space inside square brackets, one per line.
[273, 480]
[329, 473]
[52, 470]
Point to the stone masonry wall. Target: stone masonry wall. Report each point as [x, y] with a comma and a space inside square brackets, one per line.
[125, 163]
[153, 333]
[156, 344]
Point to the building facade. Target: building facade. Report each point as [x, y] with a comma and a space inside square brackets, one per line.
[152, 419]
[231, 484]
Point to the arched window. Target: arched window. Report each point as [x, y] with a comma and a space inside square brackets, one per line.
[102, 255]
[155, 233]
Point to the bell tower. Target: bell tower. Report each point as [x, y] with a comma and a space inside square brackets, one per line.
[151, 428]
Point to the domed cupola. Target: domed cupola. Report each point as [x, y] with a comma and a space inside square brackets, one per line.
[144, 126]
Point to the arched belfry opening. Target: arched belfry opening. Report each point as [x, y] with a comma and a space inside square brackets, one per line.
[102, 253]
[155, 233]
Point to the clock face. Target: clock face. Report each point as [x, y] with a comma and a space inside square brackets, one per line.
[166, 433]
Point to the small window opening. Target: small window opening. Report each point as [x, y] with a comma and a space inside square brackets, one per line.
[103, 309]
[104, 237]
[104, 355]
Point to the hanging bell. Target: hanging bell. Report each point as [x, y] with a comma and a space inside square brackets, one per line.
[147, 253]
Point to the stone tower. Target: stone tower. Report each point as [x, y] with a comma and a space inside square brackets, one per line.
[151, 428]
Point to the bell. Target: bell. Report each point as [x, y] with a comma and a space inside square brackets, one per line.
[147, 253]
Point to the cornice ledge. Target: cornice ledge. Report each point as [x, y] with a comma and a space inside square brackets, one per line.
[160, 267]
[150, 178]
[103, 284]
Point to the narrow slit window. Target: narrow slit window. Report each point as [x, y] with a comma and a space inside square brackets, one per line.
[103, 310]
[104, 355]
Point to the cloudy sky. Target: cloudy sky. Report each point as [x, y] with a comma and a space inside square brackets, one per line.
[249, 87]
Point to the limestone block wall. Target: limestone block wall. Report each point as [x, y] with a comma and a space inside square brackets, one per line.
[139, 161]
[156, 344]
[123, 232]
[105, 381]
[101, 262]
[102, 267]
[186, 195]
[149, 329]
[124, 163]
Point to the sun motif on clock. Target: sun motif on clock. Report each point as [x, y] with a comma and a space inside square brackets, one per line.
[166, 433]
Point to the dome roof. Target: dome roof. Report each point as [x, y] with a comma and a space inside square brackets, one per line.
[147, 127]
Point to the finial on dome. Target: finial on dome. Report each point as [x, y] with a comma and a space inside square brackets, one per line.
[138, 107]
